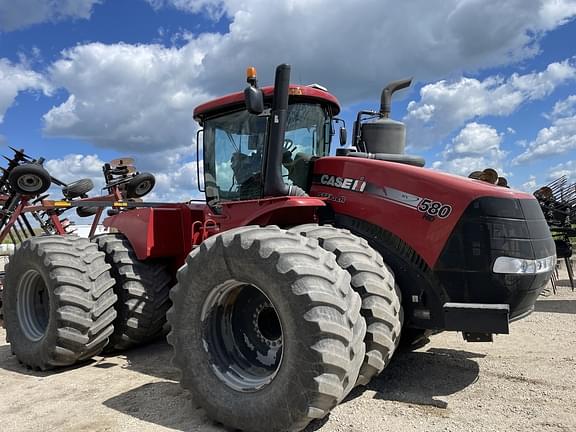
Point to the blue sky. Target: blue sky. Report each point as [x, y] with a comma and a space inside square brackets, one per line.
[84, 81]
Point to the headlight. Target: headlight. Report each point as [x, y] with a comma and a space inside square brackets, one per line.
[524, 266]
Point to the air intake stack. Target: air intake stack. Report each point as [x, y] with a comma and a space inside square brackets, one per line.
[385, 135]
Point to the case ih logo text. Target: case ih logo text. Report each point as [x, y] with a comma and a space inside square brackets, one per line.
[356, 185]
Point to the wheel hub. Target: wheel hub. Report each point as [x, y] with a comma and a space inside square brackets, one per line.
[143, 188]
[242, 334]
[266, 325]
[29, 182]
[33, 305]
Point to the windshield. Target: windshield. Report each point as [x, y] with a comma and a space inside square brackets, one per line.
[234, 147]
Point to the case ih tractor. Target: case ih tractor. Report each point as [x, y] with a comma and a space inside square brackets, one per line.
[294, 280]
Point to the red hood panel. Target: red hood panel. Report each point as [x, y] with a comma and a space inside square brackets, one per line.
[419, 205]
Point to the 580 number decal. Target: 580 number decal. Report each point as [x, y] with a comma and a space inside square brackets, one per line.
[434, 208]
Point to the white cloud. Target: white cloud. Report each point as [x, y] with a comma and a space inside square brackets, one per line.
[558, 138]
[126, 97]
[178, 185]
[140, 97]
[446, 105]
[476, 147]
[16, 14]
[360, 53]
[214, 8]
[567, 169]
[15, 78]
[74, 167]
[564, 108]
[530, 185]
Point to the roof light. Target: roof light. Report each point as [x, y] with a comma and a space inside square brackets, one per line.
[523, 266]
[250, 73]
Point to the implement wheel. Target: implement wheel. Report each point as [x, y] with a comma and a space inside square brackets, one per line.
[143, 290]
[58, 301]
[374, 281]
[29, 179]
[265, 328]
[79, 188]
[140, 185]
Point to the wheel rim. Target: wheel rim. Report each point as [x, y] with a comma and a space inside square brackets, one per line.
[29, 182]
[242, 335]
[33, 305]
[143, 188]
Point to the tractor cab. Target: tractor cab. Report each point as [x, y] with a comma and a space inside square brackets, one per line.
[238, 142]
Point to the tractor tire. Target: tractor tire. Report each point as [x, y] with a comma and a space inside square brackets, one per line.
[142, 288]
[78, 188]
[374, 281]
[86, 211]
[58, 301]
[140, 185]
[265, 328]
[29, 179]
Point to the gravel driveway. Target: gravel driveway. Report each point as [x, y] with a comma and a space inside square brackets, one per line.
[525, 381]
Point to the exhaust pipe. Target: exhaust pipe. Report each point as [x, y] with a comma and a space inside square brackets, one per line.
[273, 182]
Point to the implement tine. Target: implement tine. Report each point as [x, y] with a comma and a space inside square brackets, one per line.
[22, 229]
[28, 225]
[15, 230]
[20, 152]
[555, 182]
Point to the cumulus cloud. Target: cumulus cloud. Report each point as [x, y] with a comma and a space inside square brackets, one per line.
[178, 185]
[23, 13]
[476, 147]
[564, 108]
[136, 98]
[15, 78]
[446, 105]
[140, 97]
[558, 138]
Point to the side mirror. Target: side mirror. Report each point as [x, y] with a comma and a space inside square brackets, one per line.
[254, 99]
[343, 136]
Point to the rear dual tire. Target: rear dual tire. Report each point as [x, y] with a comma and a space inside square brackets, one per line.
[143, 290]
[374, 281]
[306, 353]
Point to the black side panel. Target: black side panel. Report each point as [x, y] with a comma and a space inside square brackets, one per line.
[423, 296]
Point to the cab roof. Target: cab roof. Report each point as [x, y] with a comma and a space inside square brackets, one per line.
[298, 93]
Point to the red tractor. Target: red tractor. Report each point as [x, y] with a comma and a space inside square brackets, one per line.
[294, 280]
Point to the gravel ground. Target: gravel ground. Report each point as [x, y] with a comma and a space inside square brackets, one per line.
[525, 381]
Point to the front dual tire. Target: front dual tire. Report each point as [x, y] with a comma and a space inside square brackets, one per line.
[265, 328]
